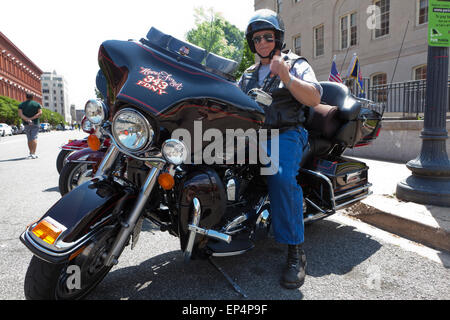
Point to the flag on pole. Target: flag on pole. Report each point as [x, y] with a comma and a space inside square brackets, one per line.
[354, 71]
[334, 74]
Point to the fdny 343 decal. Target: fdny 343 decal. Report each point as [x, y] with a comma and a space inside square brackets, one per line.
[158, 81]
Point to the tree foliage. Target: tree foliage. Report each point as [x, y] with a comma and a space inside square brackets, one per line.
[9, 113]
[214, 34]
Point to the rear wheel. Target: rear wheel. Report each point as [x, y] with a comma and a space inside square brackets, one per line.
[74, 279]
[74, 174]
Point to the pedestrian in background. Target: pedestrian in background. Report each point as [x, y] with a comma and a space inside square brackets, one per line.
[30, 111]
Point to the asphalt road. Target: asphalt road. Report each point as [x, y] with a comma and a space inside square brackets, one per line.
[346, 259]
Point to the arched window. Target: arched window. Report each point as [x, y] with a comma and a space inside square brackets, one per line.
[379, 87]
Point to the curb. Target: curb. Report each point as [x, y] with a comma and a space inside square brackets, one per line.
[414, 226]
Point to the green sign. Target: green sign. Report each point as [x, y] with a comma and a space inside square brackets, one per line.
[439, 23]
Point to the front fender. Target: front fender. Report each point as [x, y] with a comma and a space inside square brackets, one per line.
[87, 155]
[81, 214]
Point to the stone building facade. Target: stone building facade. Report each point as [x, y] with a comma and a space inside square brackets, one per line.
[18, 74]
[391, 48]
[55, 94]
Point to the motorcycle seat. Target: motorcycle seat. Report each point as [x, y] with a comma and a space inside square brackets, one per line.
[337, 94]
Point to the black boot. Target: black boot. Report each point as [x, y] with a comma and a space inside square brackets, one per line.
[294, 273]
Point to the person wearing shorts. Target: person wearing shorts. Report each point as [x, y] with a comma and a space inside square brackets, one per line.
[30, 111]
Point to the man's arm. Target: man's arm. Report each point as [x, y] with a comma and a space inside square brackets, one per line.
[303, 91]
[37, 115]
[25, 118]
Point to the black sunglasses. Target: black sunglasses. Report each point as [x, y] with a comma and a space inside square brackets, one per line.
[268, 37]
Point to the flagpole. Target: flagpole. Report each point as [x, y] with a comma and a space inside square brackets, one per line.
[400, 52]
[343, 62]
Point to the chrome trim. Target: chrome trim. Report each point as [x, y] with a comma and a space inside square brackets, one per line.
[352, 191]
[324, 177]
[354, 200]
[151, 159]
[315, 217]
[195, 222]
[151, 131]
[229, 254]
[129, 224]
[108, 161]
[68, 247]
[83, 161]
[210, 233]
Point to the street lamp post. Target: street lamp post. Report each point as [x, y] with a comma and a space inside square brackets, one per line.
[430, 179]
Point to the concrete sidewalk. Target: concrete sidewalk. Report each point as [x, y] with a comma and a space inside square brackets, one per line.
[426, 224]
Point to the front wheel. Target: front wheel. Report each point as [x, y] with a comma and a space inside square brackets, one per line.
[62, 156]
[74, 174]
[74, 279]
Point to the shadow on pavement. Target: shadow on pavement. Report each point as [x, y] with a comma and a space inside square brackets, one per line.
[17, 159]
[330, 248]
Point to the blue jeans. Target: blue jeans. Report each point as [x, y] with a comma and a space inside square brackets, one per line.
[286, 195]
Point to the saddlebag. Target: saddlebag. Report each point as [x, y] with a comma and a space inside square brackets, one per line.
[335, 184]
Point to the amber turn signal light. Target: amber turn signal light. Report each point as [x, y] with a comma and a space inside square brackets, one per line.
[47, 231]
[166, 181]
[94, 142]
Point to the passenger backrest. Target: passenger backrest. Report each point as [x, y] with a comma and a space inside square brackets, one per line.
[334, 94]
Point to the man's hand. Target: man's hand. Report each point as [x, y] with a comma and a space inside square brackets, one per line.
[279, 67]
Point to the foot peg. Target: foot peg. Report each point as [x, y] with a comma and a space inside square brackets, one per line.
[210, 233]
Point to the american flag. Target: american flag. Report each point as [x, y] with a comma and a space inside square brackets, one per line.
[334, 74]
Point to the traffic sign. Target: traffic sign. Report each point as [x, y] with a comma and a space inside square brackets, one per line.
[439, 23]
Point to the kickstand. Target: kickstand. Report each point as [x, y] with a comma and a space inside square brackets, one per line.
[234, 284]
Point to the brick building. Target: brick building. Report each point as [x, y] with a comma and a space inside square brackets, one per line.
[18, 74]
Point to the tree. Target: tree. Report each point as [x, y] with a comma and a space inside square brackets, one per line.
[214, 34]
[9, 113]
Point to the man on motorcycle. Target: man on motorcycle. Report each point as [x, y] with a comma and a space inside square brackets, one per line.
[292, 83]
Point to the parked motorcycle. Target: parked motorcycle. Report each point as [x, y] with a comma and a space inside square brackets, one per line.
[159, 87]
[80, 166]
[73, 145]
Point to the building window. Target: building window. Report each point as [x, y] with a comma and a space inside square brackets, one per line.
[319, 45]
[384, 6]
[348, 35]
[420, 73]
[422, 11]
[298, 45]
[379, 82]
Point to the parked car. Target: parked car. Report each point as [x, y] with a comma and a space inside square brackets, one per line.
[15, 130]
[61, 127]
[45, 127]
[5, 130]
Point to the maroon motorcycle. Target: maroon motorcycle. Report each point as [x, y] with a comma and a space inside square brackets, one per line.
[80, 166]
[73, 145]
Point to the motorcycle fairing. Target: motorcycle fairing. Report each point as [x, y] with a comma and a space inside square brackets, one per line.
[152, 77]
[82, 211]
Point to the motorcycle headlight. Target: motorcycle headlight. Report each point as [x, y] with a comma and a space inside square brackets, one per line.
[131, 130]
[95, 111]
[175, 151]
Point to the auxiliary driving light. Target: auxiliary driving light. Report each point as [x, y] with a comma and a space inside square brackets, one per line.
[175, 151]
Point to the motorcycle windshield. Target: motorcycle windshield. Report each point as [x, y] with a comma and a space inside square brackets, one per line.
[161, 71]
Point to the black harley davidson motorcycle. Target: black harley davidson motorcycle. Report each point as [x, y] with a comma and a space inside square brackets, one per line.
[154, 87]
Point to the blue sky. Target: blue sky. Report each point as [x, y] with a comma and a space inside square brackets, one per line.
[65, 35]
